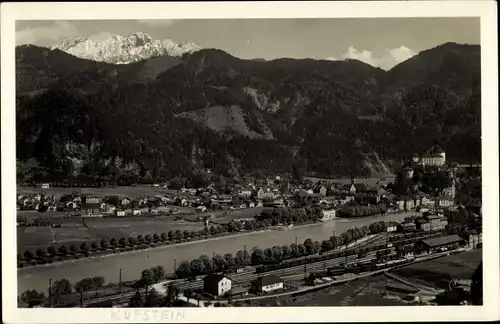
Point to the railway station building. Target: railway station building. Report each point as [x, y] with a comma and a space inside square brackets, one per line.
[444, 242]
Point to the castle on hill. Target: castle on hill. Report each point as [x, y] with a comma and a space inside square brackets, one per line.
[436, 156]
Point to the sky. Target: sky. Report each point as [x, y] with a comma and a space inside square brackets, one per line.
[381, 42]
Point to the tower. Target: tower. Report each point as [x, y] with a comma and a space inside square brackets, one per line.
[407, 172]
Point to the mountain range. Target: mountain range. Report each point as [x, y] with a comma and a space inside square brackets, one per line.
[168, 116]
[123, 50]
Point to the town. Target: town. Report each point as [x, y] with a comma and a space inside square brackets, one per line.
[199, 163]
[427, 215]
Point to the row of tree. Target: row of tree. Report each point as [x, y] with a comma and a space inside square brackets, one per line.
[265, 219]
[60, 289]
[288, 215]
[362, 211]
[104, 244]
[151, 298]
[273, 255]
[88, 284]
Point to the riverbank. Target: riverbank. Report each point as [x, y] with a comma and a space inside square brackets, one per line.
[134, 262]
[163, 246]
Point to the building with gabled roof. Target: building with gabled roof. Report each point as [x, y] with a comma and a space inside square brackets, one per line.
[449, 242]
[267, 283]
[216, 284]
[436, 156]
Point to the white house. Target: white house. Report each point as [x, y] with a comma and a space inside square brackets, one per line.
[245, 192]
[201, 209]
[136, 212]
[328, 214]
[251, 205]
[391, 228]
[259, 193]
[216, 284]
[443, 202]
[426, 201]
[436, 156]
[93, 200]
[120, 213]
[45, 185]
[71, 205]
[267, 284]
[107, 208]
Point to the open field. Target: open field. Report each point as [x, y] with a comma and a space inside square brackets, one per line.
[96, 229]
[33, 214]
[33, 237]
[133, 263]
[227, 215]
[240, 214]
[133, 227]
[370, 291]
[132, 192]
[440, 271]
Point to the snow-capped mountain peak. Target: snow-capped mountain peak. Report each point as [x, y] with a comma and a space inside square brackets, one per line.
[123, 50]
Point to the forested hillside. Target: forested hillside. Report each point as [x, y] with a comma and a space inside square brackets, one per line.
[166, 117]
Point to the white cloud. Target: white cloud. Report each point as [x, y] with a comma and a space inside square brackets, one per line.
[390, 58]
[55, 32]
[157, 22]
[332, 58]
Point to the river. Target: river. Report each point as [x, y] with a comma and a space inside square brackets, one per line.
[133, 263]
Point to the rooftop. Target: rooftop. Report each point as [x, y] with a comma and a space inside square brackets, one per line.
[439, 241]
[268, 280]
[432, 216]
[238, 290]
[214, 277]
[91, 206]
[436, 149]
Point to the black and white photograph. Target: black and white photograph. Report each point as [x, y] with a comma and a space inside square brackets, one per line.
[250, 162]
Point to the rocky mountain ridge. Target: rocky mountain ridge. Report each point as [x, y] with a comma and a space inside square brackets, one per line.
[119, 49]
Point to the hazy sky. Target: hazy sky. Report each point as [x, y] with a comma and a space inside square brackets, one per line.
[382, 42]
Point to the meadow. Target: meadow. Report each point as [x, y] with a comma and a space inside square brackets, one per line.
[96, 229]
[132, 192]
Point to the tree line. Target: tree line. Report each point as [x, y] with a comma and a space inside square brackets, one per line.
[362, 211]
[273, 255]
[60, 290]
[263, 220]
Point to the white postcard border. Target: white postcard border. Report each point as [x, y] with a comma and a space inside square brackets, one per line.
[73, 11]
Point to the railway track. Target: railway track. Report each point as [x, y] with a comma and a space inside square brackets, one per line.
[248, 276]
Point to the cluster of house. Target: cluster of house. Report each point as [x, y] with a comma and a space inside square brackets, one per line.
[271, 192]
[429, 221]
[471, 240]
[34, 201]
